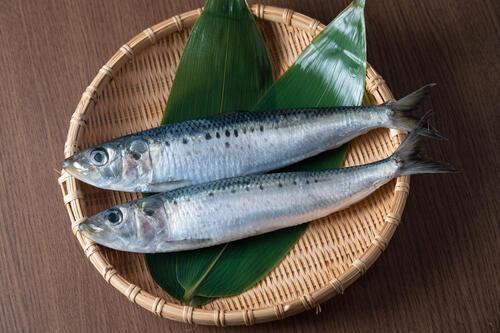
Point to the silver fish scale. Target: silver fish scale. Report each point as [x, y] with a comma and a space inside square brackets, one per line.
[230, 209]
[245, 143]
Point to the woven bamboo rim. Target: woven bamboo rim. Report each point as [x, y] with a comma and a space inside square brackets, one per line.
[271, 298]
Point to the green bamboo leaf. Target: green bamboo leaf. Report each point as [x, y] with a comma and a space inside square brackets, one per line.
[334, 68]
[162, 268]
[224, 67]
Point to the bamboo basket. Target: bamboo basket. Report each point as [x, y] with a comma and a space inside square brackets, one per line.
[129, 94]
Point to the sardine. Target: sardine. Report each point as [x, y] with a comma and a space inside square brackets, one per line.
[238, 144]
[226, 210]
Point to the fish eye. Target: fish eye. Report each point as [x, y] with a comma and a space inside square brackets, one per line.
[149, 212]
[99, 156]
[114, 216]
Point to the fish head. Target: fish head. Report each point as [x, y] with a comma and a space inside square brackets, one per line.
[99, 166]
[134, 226]
[123, 164]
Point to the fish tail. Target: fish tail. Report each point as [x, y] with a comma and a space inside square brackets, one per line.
[413, 100]
[409, 161]
[402, 119]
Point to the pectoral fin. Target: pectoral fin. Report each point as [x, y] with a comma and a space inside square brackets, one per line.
[167, 186]
[184, 244]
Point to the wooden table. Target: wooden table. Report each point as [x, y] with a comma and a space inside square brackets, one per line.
[441, 271]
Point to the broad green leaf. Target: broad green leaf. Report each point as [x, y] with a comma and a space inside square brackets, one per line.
[330, 72]
[241, 264]
[162, 268]
[224, 67]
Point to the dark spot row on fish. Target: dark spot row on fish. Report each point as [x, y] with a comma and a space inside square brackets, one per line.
[245, 119]
[227, 133]
[261, 187]
[234, 186]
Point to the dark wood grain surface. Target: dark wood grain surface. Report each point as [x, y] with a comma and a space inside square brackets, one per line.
[441, 271]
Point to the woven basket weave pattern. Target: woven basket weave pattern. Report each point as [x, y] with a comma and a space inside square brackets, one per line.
[333, 252]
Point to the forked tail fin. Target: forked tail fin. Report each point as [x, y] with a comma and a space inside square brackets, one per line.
[413, 100]
[409, 161]
[402, 119]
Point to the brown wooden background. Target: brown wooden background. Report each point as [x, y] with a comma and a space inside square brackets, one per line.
[441, 271]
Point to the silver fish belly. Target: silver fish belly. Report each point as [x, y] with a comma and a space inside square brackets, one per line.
[249, 143]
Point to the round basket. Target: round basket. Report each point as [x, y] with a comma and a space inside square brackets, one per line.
[129, 94]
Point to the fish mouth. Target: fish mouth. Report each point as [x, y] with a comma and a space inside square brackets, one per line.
[101, 235]
[93, 233]
[66, 164]
[85, 229]
[71, 170]
[76, 168]
[69, 166]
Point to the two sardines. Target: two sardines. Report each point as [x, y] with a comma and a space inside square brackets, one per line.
[230, 209]
[243, 143]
